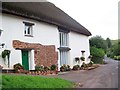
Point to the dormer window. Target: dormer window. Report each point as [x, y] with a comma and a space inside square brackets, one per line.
[28, 31]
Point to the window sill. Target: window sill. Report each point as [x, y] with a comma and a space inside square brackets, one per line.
[29, 35]
[64, 48]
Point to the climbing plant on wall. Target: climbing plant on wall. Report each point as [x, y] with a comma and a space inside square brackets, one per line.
[6, 53]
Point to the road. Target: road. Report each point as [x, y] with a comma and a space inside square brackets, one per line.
[105, 76]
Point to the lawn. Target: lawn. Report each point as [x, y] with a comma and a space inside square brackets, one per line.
[24, 81]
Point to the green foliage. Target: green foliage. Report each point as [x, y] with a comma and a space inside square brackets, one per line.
[84, 65]
[98, 42]
[97, 54]
[108, 42]
[65, 68]
[91, 63]
[39, 68]
[18, 66]
[53, 67]
[82, 58]
[76, 67]
[114, 50]
[117, 57]
[46, 68]
[77, 59]
[33, 82]
[114, 42]
[5, 53]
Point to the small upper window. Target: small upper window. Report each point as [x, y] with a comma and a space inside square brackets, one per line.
[28, 31]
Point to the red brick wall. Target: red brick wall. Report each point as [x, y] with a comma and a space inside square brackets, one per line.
[43, 54]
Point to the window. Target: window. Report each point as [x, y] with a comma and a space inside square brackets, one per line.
[63, 39]
[64, 57]
[28, 31]
[64, 46]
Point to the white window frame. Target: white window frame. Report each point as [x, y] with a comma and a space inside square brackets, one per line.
[28, 31]
[64, 39]
[28, 28]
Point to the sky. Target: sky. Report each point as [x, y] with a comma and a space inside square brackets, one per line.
[100, 17]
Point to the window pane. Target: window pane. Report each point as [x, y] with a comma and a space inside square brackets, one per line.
[63, 39]
[28, 30]
[64, 57]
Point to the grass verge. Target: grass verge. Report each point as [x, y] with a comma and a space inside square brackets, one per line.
[24, 81]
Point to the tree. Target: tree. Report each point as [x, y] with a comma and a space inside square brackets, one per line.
[97, 54]
[108, 42]
[98, 42]
[114, 50]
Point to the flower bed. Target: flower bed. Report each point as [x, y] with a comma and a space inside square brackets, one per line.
[39, 70]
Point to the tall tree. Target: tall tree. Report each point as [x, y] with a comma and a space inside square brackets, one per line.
[98, 42]
[108, 42]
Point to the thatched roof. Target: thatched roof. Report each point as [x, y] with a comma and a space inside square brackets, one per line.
[45, 12]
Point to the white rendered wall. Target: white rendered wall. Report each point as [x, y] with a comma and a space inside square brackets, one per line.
[13, 27]
[43, 33]
[77, 43]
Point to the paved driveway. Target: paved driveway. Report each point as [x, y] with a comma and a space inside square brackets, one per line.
[105, 76]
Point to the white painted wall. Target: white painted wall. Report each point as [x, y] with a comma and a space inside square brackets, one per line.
[43, 33]
[13, 27]
[77, 43]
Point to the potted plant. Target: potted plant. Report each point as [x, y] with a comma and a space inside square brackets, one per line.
[6, 53]
[76, 67]
[90, 57]
[77, 59]
[18, 68]
[63, 68]
[68, 68]
[82, 58]
[53, 69]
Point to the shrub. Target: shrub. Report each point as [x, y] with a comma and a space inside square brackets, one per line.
[53, 67]
[97, 54]
[5, 53]
[82, 58]
[90, 56]
[84, 65]
[117, 57]
[46, 68]
[76, 67]
[68, 68]
[65, 68]
[91, 63]
[39, 68]
[77, 59]
[18, 66]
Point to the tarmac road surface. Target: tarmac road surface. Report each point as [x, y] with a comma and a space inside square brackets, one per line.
[105, 76]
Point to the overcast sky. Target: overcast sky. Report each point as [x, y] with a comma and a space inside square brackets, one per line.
[100, 17]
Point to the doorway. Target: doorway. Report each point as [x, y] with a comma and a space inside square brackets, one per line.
[25, 60]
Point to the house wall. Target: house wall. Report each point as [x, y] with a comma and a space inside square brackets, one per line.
[43, 33]
[78, 43]
[13, 27]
